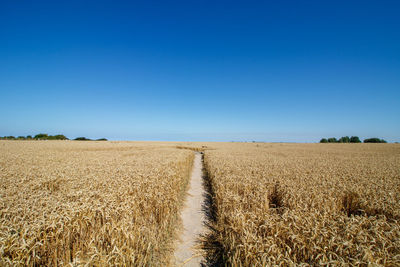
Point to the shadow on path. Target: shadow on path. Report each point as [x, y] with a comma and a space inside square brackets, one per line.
[209, 241]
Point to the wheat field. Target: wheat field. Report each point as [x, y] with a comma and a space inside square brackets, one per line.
[89, 203]
[117, 203]
[305, 204]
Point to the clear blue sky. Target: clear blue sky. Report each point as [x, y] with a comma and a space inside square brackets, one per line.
[200, 70]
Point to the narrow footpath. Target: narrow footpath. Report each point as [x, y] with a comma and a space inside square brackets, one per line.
[192, 218]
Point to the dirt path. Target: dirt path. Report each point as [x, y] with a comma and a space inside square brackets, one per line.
[192, 218]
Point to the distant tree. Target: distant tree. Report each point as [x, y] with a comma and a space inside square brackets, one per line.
[61, 137]
[57, 137]
[41, 136]
[344, 139]
[332, 140]
[323, 140]
[374, 140]
[82, 139]
[50, 137]
[101, 139]
[355, 139]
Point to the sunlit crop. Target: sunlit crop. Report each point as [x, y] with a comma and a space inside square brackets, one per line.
[103, 204]
[117, 203]
[305, 204]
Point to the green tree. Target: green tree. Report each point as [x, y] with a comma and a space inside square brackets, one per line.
[374, 140]
[82, 139]
[57, 137]
[344, 139]
[323, 140]
[355, 139]
[41, 136]
[332, 140]
[61, 137]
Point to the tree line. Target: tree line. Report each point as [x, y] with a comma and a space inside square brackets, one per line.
[353, 139]
[43, 136]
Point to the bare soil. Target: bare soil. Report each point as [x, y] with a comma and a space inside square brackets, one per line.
[192, 219]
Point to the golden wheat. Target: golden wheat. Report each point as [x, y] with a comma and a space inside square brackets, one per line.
[305, 204]
[116, 203]
[94, 203]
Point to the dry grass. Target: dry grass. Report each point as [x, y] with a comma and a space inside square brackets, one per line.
[98, 203]
[305, 204]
